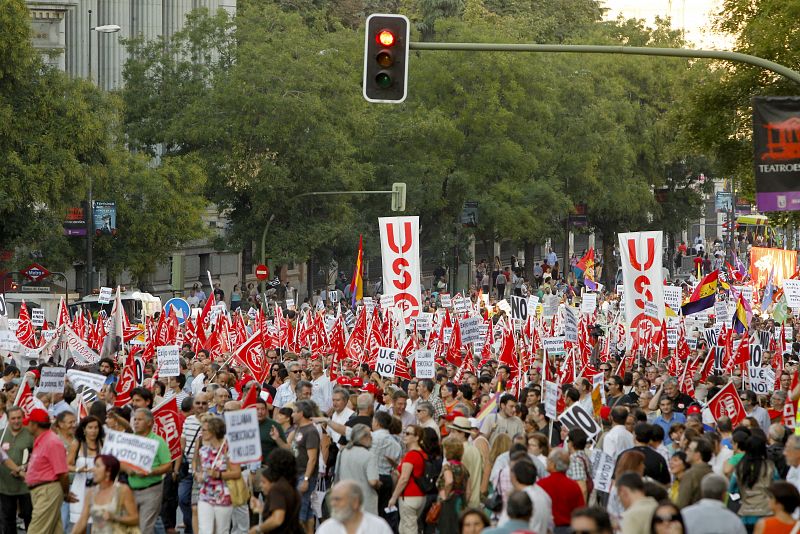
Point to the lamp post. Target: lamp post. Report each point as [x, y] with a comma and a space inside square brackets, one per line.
[106, 28]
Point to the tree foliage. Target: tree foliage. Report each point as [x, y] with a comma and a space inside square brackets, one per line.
[57, 134]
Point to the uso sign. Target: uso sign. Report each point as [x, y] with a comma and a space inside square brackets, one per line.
[641, 255]
[401, 265]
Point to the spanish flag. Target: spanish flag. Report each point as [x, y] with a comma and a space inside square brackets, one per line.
[742, 315]
[704, 296]
[357, 285]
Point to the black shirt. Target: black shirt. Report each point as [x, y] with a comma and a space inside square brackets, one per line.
[655, 466]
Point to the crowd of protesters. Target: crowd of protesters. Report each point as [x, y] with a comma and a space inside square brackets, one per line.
[460, 452]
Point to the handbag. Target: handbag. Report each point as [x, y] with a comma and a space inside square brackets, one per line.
[432, 517]
[240, 493]
[183, 472]
[119, 528]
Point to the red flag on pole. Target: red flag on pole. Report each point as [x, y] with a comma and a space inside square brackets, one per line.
[727, 403]
[167, 423]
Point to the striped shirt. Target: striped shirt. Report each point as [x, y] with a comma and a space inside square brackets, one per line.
[191, 428]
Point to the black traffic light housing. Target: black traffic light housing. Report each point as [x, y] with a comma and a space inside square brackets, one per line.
[386, 58]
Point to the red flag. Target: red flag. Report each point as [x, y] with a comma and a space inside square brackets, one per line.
[63, 314]
[204, 320]
[727, 403]
[126, 382]
[250, 398]
[25, 332]
[743, 352]
[508, 353]
[354, 348]
[167, 423]
[251, 355]
[25, 398]
[454, 347]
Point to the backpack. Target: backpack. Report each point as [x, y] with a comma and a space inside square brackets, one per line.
[430, 474]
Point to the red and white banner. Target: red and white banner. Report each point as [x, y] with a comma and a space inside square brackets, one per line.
[167, 424]
[401, 264]
[641, 258]
[727, 403]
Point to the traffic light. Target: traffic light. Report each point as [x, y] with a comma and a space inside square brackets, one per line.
[386, 58]
[398, 196]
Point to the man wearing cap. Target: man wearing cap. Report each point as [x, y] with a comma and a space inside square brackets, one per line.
[461, 428]
[47, 476]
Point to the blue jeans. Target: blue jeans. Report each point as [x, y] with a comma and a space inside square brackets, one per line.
[185, 502]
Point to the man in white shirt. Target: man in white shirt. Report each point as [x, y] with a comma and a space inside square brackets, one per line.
[709, 515]
[618, 438]
[347, 515]
[322, 388]
[285, 393]
[523, 477]
[413, 398]
[341, 412]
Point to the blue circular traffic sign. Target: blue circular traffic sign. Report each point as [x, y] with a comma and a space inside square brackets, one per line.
[182, 309]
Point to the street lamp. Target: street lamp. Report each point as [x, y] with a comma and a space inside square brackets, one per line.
[105, 28]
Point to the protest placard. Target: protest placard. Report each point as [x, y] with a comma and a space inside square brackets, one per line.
[290, 303]
[387, 301]
[244, 438]
[762, 379]
[387, 361]
[602, 470]
[551, 399]
[86, 384]
[105, 295]
[553, 345]
[651, 309]
[445, 300]
[37, 317]
[169, 360]
[52, 380]
[519, 308]
[504, 305]
[672, 297]
[461, 304]
[470, 329]
[447, 332]
[672, 338]
[424, 321]
[571, 324]
[426, 364]
[721, 312]
[576, 417]
[550, 306]
[588, 303]
[791, 288]
[137, 452]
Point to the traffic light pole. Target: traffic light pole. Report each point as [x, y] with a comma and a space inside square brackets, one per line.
[736, 57]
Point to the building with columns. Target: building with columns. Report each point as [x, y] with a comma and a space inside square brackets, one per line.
[62, 31]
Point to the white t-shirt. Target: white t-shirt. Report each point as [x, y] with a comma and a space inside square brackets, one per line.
[370, 524]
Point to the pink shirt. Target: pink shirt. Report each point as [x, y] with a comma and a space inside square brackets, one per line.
[48, 460]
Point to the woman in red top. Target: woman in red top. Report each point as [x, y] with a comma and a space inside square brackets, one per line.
[411, 498]
[783, 500]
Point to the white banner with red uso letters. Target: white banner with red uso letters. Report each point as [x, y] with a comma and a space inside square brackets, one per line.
[401, 264]
[641, 258]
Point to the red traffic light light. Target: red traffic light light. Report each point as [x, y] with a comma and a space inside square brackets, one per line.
[385, 38]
